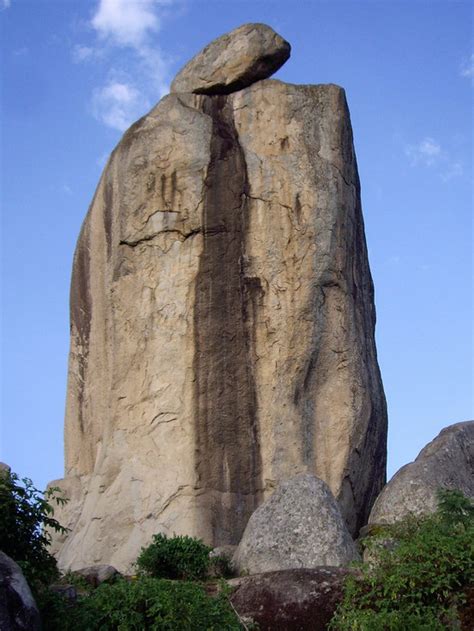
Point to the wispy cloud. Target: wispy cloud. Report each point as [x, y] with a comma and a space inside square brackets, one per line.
[467, 68]
[126, 31]
[427, 152]
[21, 52]
[452, 170]
[83, 53]
[116, 104]
[5, 4]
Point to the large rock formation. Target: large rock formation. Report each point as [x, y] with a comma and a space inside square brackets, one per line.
[222, 323]
[299, 526]
[447, 462]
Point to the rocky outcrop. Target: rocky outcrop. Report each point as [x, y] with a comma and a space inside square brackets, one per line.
[289, 600]
[445, 463]
[234, 61]
[222, 324]
[18, 610]
[299, 526]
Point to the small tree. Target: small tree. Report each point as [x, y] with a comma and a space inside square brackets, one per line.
[25, 513]
[175, 558]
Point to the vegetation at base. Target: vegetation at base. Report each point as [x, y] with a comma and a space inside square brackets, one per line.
[221, 566]
[25, 512]
[150, 601]
[141, 604]
[179, 557]
[419, 583]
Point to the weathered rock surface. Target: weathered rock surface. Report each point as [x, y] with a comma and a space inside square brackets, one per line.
[18, 610]
[234, 61]
[222, 324]
[290, 600]
[447, 462]
[299, 526]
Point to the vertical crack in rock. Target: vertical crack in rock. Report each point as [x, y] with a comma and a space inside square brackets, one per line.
[227, 439]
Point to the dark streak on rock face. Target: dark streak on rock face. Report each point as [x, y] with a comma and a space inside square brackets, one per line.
[227, 441]
[108, 206]
[81, 311]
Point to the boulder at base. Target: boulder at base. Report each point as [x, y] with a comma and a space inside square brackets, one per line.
[290, 600]
[18, 610]
[300, 526]
[446, 462]
[234, 61]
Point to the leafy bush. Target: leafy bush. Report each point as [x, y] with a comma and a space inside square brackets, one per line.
[141, 604]
[24, 513]
[175, 558]
[421, 582]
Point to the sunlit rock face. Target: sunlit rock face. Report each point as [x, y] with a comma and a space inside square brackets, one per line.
[222, 324]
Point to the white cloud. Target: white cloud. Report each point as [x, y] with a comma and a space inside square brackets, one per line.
[467, 68]
[427, 152]
[118, 104]
[5, 4]
[127, 22]
[126, 31]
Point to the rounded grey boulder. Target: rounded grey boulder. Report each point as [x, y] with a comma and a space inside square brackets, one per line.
[234, 61]
[446, 462]
[300, 526]
[18, 610]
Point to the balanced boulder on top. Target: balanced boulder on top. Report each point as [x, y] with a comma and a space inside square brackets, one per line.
[234, 61]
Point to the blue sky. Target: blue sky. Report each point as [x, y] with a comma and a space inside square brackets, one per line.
[76, 73]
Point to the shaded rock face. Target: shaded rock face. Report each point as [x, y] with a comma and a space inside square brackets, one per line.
[299, 526]
[18, 610]
[222, 324]
[234, 61]
[446, 462]
[290, 600]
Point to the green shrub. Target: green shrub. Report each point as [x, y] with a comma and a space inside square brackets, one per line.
[420, 583]
[141, 604]
[175, 558]
[221, 567]
[25, 512]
